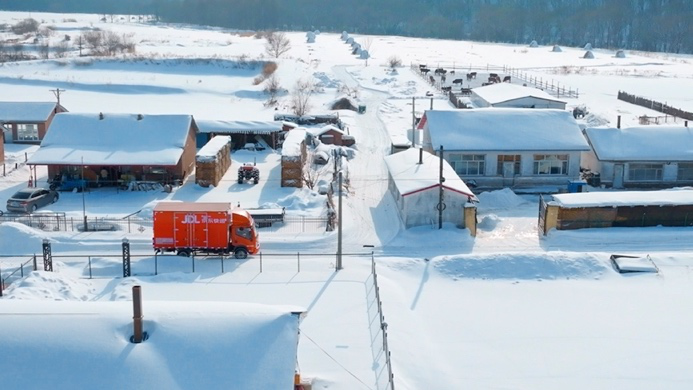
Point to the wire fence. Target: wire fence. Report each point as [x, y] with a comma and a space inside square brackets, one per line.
[130, 224]
[381, 350]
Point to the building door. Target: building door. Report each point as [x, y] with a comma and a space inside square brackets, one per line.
[508, 174]
[618, 175]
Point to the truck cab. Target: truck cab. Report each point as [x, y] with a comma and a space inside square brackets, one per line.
[244, 236]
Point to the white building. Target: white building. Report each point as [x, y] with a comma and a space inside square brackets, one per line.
[513, 95]
[188, 345]
[507, 147]
[414, 183]
[646, 156]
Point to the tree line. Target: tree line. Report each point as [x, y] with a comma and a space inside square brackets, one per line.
[650, 25]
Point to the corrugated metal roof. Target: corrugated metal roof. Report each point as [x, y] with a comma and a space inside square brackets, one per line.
[239, 127]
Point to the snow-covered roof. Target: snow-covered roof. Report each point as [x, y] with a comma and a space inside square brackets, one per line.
[645, 143]
[211, 148]
[504, 92]
[318, 131]
[505, 129]
[241, 127]
[190, 345]
[292, 142]
[681, 196]
[26, 111]
[411, 177]
[117, 139]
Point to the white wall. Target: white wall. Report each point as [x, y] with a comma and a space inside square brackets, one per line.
[419, 209]
[526, 178]
[531, 102]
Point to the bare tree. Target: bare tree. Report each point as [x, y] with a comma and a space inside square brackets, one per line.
[44, 49]
[61, 49]
[277, 43]
[300, 97]
[272, 88]
[367, 43]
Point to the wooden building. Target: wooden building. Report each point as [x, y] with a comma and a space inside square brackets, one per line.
[604, 209]
[27, 122]
[113, 149]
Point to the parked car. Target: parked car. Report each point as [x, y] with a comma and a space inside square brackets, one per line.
[29, 200]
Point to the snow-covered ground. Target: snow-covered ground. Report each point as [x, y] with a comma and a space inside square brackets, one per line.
[508, 309]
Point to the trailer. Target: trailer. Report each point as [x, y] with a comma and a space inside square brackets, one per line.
[205, 228]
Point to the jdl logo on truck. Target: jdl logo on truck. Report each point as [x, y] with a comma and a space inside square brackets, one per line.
[204, 218]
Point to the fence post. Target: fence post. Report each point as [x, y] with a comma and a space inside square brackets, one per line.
[298, 260]
[127, 271]
[222, 264]
[260, 262]
[193, 262]
[47, 256]
[89, 259]
[2, 282]
[156, 263]
[35, 265]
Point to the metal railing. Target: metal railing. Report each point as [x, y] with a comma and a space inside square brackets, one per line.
[15, 273]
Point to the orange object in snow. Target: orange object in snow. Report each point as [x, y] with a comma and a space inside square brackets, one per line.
[209, 228]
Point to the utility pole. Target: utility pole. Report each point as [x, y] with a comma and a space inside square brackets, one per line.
[84, 203]
[413, 121]
[441, 180]
[339, 226]
[57, 92]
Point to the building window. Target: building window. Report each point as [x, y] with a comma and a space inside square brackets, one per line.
[644, 172]
[468, 164]
[685, 171]
[550, 164]
[507, 159]
[27, 132]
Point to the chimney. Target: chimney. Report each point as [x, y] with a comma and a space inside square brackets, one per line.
[138, 335]
[618, 122]
[685, 123]
[139, 117]
[420, 155]
[101, 116]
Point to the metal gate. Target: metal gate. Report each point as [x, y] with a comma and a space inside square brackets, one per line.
[542, 215]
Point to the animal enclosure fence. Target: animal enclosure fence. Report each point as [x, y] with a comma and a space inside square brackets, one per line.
[654, 105]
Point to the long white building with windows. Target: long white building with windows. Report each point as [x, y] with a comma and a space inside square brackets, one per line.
[507, 147]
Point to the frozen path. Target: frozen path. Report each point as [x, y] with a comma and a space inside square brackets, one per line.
[370, 214]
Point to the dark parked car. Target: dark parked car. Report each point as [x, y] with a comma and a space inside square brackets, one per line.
[30, 199]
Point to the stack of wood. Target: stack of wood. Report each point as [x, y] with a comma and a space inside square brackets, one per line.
[293, 158]
[212, 161]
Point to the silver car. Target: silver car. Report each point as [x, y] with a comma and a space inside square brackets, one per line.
[30, 199]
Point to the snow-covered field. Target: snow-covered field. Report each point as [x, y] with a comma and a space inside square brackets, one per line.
[508, 309]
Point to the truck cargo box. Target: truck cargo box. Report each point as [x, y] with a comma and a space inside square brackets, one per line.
[192, 225]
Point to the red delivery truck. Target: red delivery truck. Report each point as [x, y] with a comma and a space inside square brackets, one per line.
[206, 228]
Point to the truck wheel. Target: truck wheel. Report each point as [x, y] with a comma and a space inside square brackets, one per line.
[240, 253]
[183, 252]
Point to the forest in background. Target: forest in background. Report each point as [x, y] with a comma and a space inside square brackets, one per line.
[649, 25]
